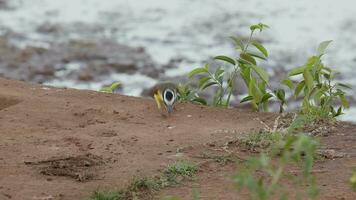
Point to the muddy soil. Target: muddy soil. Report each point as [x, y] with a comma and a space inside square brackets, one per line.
[65, 144]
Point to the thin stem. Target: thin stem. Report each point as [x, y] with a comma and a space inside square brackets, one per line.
[275, 178]
[248, 42]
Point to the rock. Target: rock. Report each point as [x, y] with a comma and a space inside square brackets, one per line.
[49, 28]
[76, 60]
[85, 75]
[4, 5]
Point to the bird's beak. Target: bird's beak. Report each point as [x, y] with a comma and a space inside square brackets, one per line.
[170, 108]
[158, 98]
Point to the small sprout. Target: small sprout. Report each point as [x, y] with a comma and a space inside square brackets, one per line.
[353, 179]
[112, 88]
[259, 26]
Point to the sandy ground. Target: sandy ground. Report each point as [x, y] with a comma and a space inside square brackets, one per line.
[65, 144]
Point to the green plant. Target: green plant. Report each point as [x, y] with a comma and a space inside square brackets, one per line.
[320, 91]
[170, 198]
[255, 77]
[145, 183]
[111, 88]
[109, 195]
[186, 93]
[262, 139]
[353, 179]
[262, 176]
[180, 168]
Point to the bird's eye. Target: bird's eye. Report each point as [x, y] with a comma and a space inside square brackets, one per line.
[169, 97]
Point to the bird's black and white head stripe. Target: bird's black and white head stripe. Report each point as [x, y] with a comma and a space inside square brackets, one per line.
[169, 96]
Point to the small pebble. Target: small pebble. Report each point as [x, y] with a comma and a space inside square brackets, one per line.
[170, 127]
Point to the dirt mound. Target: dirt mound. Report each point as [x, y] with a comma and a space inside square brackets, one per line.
[64, 144]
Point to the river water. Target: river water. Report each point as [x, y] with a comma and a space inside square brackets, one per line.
[191, 31]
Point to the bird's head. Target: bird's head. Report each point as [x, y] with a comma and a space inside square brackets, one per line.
[165, 94]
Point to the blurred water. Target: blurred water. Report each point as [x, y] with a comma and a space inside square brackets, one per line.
[195, 30]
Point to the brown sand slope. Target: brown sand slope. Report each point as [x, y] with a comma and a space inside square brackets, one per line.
[65, 144]
[49, 131]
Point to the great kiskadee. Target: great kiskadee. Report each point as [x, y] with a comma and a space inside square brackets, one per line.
[165, 93]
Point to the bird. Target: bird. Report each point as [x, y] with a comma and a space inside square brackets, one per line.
[166, 93]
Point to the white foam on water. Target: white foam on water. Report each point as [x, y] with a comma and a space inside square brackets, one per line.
[168, 28]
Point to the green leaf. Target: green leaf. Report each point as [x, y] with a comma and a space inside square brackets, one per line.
[281, 94]
[261, 73]
[299, 88]
[258, 26]
[219, 73]
[262, 86]
[226, 59]
[265, 97]
[260, 47]
[311, 62]
[256, 55]
[200, 100]
[344, 86]
[327, 76]
[105, 89]
[246, 74]
[248, 98]
[111, 88]
[247, 58]
[296, 71]
[344, 101]
[319, 93]
[327, 70]
[197, 71]
[353, 179]
[202, 81]
[308, 79]
[322, 47]
[255, 91]
[339, 112]
[208, 84]
[115, 85]
[288, 83]
[238, 42]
